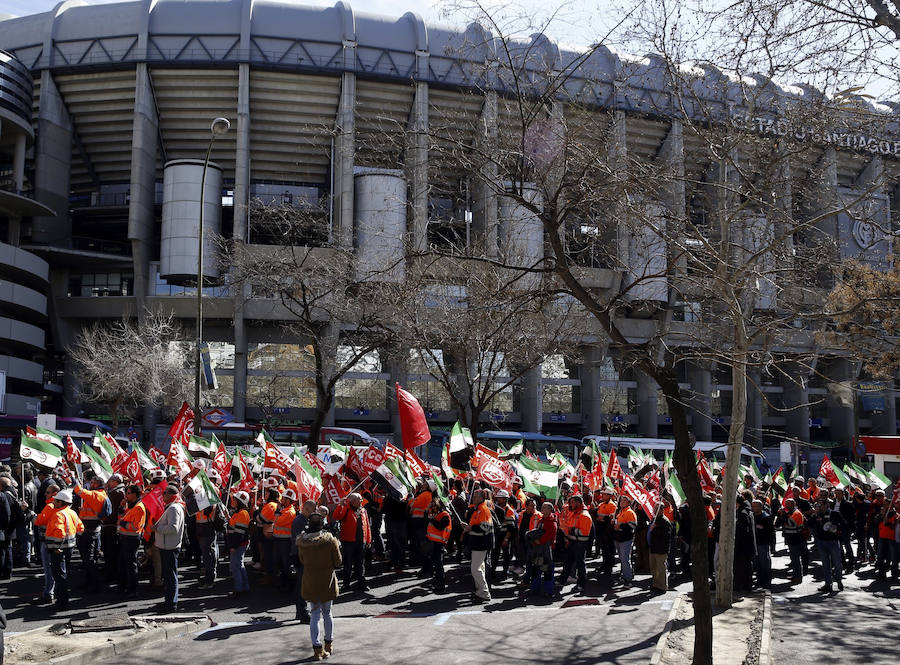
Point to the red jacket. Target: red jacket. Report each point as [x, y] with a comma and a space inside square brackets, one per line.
[548, 523]
[348, 517]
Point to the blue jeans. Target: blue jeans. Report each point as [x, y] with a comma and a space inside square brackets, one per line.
[23, 537]
[48, 573]
[763, 566]
[59, 564]
[169, 561]
[624, 550]
[322, 610]
[831, 559]
[238, 571]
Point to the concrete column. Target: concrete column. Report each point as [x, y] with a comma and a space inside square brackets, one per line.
[843, 426]
[647, 397]
[484, 189]
[825, 180]
[700, 378]
[141, 212]
[531, 400]
[618, 162]
[239, 235]
[342, 166]
[330, 342]
[417, 169]
[753, 422]
[53, 165]
[671, 155]
[19, 163]
[796, 403]
[591, 399]
[395, 363]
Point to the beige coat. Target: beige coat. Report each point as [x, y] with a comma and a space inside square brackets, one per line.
[320, 554]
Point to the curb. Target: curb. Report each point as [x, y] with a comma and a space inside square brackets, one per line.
[670, 620]
[192, 624]
[765, 638]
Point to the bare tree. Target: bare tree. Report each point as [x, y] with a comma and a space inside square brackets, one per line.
[131, 363]
[317, 289]
[478, 331]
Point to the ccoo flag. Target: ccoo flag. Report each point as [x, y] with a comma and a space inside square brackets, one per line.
[413, 424]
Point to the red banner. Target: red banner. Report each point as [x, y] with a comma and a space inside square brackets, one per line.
[335, 488]
[413, 424]
[276, 460]
[158, 456]
[391, 451]
[221, 463]
[613, 469]
[637, 493]
[490, 469]
[417, 466]
[131, 469]
[315, 461]
[305, 485]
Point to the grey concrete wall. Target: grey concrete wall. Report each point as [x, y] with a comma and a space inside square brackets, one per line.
[53, 164]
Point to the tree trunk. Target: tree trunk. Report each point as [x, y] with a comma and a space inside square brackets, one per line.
[115, 406]
[686, 466]
[725, 568]
[323, 406]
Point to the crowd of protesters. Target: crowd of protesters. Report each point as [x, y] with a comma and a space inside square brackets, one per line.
[299, 544]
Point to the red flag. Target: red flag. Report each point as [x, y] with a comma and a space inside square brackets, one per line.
[73, 455]
[221, 463]
[177, 459]
[490, 469]
[110, 439]
[391, 451]
[613, 469]
[706, 480]
[275, 459]
[131, 469]
[245, 482]
[153, 502]
[637, 493]
[305, 483]
[183, 420]
[827, 470]
[418, 466]
[484, 450]
[787, 495]
[335, 488]
[412, 420]
[315, 461]
[372, 458]
[158, 456]
[529, 455]
[354, 463]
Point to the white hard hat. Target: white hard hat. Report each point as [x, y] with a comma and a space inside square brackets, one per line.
[501, 494]
[214, 475]
[270, 482]
[157, 474]
[197, 464]
[243, 497]
[63, 495]
[517, 481]
[289, 494]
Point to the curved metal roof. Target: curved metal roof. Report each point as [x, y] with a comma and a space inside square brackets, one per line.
[281, 35]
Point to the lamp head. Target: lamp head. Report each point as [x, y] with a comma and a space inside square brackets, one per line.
[219, 126]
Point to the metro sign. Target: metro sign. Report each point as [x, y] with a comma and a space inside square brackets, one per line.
[217, 417]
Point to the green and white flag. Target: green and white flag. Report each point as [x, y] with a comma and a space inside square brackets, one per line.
[200, 494]
[460, 438]
[779, 484]
[49, 435]
[147, 463]
[392, 479]
[878, 479]
[262, 437]
[858, 474]
[201, 446]
[754, 471]
[98, 463]
[673, 486]
[518, 448]
[101, 445]
[538, 477]
[39, 451]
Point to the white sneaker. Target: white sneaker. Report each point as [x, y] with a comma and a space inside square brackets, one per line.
[256, 565]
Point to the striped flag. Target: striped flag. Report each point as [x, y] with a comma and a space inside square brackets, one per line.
[39, 451]
[460, 438]
[147, 462]
[45, 434]
[200, 493]
[99, 465]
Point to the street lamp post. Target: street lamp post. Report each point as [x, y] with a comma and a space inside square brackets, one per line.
[218, 127]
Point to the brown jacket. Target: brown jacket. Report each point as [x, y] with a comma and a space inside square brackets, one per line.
[320, 554]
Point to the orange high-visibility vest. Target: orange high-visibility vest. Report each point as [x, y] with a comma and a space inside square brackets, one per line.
[283, 522]
[580, 527]
[239, 522]
[91, 504]
[420, 504]
[439, 535]
[62, 527]
[132, 522]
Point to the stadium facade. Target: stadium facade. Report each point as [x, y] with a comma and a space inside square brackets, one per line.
[96, 101]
